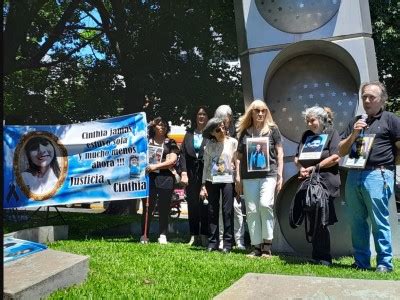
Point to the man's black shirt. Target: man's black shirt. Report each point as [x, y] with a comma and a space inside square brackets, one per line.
[386, 127]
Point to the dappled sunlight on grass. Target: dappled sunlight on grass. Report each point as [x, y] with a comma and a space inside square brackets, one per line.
[121, 267]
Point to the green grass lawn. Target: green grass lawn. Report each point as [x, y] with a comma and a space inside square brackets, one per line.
[120, 267]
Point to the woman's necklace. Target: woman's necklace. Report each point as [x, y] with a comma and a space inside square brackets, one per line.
[159, 142]
[255, 132]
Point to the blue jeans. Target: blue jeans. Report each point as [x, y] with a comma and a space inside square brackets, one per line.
[367, 194]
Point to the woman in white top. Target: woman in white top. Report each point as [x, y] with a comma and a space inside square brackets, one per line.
[218, 177]
[259, 186]
[43, 171]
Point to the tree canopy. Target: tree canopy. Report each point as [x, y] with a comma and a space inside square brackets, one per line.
[385, 16]
[82, 60]
[68, 60]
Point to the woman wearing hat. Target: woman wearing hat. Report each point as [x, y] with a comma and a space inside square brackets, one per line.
[219, 159]
[259, 186]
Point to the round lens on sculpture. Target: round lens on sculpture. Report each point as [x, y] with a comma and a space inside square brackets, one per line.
[297, 16]
[309, 80]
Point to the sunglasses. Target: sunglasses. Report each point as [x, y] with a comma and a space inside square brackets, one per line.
[219, 129]
[256, 110]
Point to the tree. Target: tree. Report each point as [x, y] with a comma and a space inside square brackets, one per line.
[385, 16]
[167, 56]
[163, 57]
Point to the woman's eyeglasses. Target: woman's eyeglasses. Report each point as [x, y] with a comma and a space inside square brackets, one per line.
[219, 129]
[257, 110]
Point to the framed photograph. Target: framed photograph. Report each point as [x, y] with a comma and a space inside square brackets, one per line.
[359, 152]
[313, 147]
[40, 164]
[257, 154]
[221, 169]
[155, 154]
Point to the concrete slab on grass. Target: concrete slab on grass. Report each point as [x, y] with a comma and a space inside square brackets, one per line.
[43, 234]
[39, 274]
[265, 286]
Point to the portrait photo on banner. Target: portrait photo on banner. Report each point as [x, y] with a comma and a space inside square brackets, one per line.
[134, 166]
[359, 152]
[257, 154]
[40, 164]
[313, 147]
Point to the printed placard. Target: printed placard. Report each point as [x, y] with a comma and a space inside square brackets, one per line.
[257, 154]
[359, 152]
[221, 169]
[155, 154]
[313, 147]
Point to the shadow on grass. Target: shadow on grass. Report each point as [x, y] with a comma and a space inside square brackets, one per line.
[96, 226]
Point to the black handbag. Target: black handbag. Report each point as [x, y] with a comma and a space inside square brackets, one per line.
[311, 198]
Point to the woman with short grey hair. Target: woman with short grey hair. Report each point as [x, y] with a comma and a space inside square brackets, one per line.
[224, 112]
[219, 161]
[319, 123]
[325, 115]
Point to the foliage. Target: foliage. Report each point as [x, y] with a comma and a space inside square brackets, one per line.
[92, 59]
[385, 17]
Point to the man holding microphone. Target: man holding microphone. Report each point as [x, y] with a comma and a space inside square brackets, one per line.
[368, 190]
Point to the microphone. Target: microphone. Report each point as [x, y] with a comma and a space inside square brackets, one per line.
[364, 117]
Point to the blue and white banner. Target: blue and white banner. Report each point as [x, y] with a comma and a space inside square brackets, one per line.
[63, 164]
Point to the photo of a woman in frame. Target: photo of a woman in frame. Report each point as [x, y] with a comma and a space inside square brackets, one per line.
[257, 159]
[39, 173]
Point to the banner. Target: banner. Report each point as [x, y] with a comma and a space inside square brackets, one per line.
[64, 164]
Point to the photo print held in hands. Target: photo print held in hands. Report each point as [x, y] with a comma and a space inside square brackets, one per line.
[313, 147]
[258, 154]
[155, 154]
[221, 170]
[359, 152]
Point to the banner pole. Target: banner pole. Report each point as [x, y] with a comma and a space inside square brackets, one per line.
[146, 217]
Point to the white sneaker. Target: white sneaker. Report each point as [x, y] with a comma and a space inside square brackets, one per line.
[162, 239]
[221, 245]
[240, 247]
[192, 238]
[144, 240]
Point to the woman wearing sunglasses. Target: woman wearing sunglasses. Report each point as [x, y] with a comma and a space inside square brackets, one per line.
[259, 186]
[218, 178]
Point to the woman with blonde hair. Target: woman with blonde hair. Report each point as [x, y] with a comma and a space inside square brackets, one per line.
[259, 186]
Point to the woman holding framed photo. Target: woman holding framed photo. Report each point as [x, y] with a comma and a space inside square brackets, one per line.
[219, 160]
[319, 122]
[258, 185]
[160, 177]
